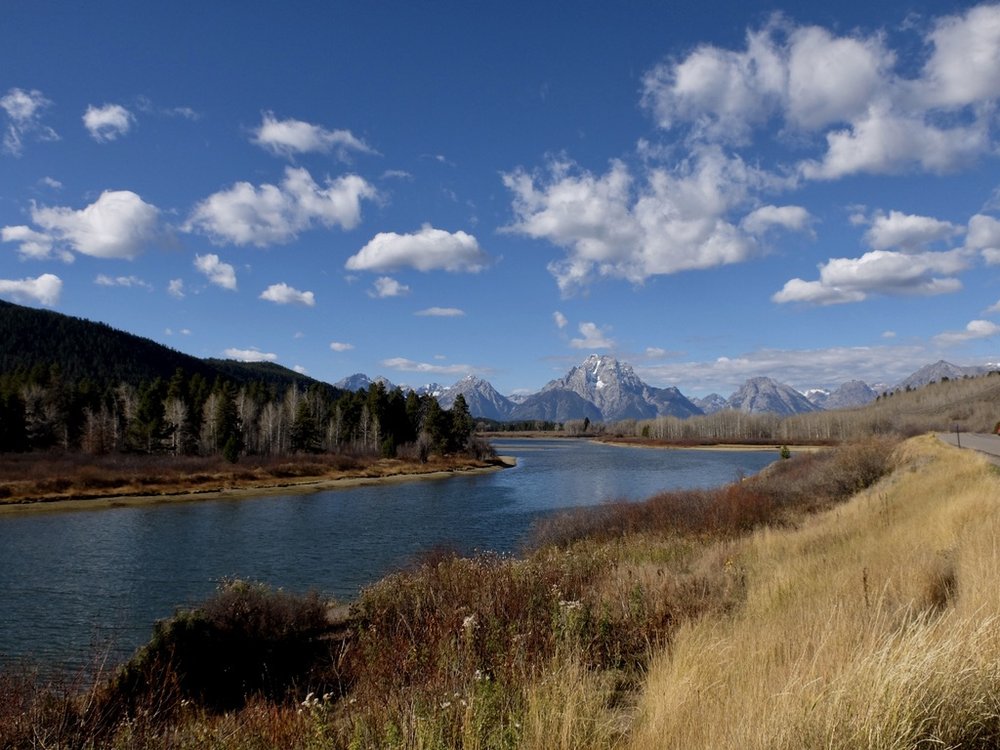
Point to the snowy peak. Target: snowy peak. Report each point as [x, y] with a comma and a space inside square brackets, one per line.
[483, 400]
[617, 392]
[850, 395]
[712, 403]
[359, 381]
[764, 395]
[936, 372]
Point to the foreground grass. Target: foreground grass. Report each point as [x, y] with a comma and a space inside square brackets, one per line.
[874, 625]
[763, 614]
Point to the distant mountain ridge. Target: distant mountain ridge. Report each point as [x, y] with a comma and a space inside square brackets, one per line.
[600, 388]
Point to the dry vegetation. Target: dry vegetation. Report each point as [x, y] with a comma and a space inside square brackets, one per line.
[51, 476]
[971, 404]
[550, 650]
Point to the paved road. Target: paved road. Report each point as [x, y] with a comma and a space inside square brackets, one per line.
[977, 441]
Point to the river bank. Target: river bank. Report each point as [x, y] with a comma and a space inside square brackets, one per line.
[244, 485]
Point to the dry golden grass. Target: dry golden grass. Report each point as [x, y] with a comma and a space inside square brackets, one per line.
[876, 624]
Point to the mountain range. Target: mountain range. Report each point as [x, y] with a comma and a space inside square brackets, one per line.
[601, 388]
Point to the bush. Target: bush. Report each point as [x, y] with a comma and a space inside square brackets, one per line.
[247, 641]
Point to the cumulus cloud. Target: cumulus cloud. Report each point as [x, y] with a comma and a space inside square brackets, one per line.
[290, 137]
[792, 218]
[976, 329]
[108, 122]
[807, 80]
[253, 354]
[283, 294]
[119, 224]
[217, 272]
[677, 220]
[340, 346]
[126, 281]
[984, 235]
[907, 231]
[24, 119]
[429, 249]
[441, 312]
[275, 214]
[44, 289]
[560, 319]
[655, 352]
[592, 337]
[176, 288]
[878, 272]
[408, 365]
[386, 286]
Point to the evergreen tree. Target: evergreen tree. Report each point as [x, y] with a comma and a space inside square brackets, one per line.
[461, 424]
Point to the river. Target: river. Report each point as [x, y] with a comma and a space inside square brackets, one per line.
[76, 586]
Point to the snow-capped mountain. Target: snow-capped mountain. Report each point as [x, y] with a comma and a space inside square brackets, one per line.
[764, 395]
[712, 403]
[938, 371]
[612, 388]
[481, 397]
[359, 381]
[817, 397]
[850, 395]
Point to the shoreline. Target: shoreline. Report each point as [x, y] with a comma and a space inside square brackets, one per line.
[307, 486]
[728, 447]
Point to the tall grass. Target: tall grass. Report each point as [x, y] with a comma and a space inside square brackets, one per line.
[873, 625]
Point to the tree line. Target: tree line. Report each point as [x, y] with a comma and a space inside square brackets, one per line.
[188, 414]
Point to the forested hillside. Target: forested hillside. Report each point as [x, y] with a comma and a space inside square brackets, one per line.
[73, 384]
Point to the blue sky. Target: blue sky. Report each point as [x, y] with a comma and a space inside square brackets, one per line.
[710, 191]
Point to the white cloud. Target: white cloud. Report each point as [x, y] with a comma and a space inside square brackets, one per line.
[976, 329]
[45, 289]
[878, 272]
[24, 115]
[300, 370]
[804, 80]
[218, 273]
[33, 245]
[907, 231]
[441, 312]
[560, 319]
[126, 281]
[593, 337]
[340, 346]
[429, 249]
[271, 214]
[396, 174]
[119, 224]
[253, 354]
[888, 334]
[793, 218]
[408, 365]
[51, 182]
[283, 294]
[176, 288]
[290, 137]
[679, 219]
[984, 235]
[386, 286]
[655, 352]
[108, 122]
[963, 66]
[885, 142]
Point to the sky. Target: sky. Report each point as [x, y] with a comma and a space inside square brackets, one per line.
[708, 190]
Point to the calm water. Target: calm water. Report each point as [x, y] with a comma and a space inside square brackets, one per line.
[73, 584]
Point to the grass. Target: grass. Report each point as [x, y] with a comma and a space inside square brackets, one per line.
[873, 625]
[46, 477]
[820, 604]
